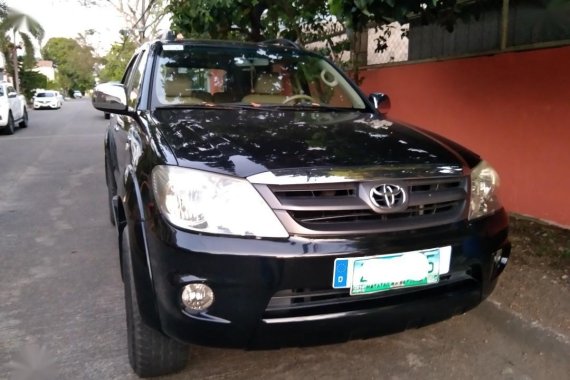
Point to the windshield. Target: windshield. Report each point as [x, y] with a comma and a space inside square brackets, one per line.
[45, 95]
[257, 76]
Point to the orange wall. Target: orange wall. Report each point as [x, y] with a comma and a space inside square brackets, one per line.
[511, 108]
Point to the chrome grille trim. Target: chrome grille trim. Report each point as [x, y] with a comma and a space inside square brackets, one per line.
[307, 176]
[336, 209]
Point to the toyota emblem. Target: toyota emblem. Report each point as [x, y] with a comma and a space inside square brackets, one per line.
[388, 196]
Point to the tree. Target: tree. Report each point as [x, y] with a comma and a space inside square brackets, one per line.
[359, 15]
[116, 60]
[74, 63]
[142, 17]
[246, 19]
[308, 20]
[19, 25]
[31, 80]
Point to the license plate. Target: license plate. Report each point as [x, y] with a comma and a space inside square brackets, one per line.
[365, 275]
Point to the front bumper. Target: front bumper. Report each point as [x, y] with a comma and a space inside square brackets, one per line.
[45, 105]
[270, 293]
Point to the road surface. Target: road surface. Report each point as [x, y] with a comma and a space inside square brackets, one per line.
[61, 296]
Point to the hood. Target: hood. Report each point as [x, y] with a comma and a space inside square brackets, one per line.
[244, 142]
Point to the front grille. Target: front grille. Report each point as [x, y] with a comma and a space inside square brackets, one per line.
[345, 208]
[307, 217]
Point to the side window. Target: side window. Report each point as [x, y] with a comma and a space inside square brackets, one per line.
[129, 71]
[135, 80]
[1, 90]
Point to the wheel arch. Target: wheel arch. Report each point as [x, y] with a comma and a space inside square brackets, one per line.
[129, 216]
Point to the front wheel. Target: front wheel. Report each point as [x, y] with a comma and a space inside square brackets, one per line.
[151, 353]
[24, 123]
[10, 127]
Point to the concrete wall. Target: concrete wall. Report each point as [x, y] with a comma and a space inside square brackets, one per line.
[512, 108]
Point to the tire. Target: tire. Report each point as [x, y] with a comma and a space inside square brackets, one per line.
[24, 123]
[10, 127]
[150, 352]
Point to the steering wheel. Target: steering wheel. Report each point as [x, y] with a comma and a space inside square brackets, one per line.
[298, 97]
[330, 83]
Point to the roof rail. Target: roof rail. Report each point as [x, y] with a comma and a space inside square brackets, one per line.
[283, 42]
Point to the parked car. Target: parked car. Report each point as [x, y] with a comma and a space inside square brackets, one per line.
[262, 200]
[48, 99]
[77, 94]
[60, 97]
[12, 109]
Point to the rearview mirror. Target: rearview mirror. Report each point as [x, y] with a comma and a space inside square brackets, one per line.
[380, 101]
[110, 97]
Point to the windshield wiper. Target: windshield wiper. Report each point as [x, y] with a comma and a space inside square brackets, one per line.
[310, 107]
[214, 106]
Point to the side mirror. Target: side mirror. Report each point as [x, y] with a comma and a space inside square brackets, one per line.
[380, 101]
[110, 97]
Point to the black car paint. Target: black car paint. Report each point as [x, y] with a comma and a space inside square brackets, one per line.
[253, 270]
[156, 274]
[243, 142]
[163, 256]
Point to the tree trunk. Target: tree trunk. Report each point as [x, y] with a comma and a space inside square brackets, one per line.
[358, 53]
[255, 20]
[15, 63]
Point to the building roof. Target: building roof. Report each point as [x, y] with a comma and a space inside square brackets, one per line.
[44, 64]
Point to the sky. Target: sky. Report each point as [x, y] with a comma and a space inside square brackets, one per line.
[67, 18]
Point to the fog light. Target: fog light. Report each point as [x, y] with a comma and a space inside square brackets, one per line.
[197, 297]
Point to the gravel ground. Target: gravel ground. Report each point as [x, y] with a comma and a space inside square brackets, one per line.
[536, 283]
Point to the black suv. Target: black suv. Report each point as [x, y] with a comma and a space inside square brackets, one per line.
[262, 201]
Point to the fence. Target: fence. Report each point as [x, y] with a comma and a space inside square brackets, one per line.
[500, 26]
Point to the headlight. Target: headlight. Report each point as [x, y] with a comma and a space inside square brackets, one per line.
[484, 185]
[213, 203]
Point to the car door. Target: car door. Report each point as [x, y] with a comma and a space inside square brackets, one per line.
[122, 124]
[15, 103]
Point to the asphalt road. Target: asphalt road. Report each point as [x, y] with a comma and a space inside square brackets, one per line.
[61, 297]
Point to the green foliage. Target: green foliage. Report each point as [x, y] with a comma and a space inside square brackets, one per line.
[359, 14]
[116, 61]
[74, 63]
[257, 19]
[30, 80]
[15, 23]
[312, 20]
[18, 21]
[252, 20]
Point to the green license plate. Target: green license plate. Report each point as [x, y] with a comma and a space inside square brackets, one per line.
[387, 272]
